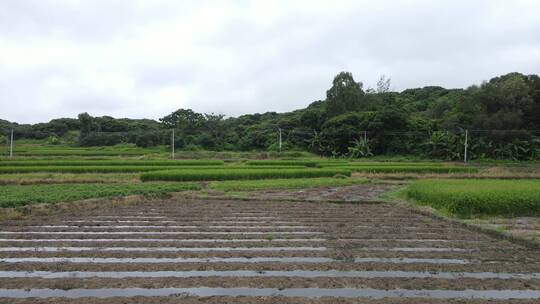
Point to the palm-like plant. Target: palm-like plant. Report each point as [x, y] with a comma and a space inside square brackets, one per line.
[361, 148]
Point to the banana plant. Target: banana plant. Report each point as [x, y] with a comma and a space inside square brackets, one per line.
[361, 148]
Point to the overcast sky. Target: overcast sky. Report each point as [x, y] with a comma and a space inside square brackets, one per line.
[145, 59]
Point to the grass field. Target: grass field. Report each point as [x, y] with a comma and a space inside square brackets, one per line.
[16, 195]
[471, 197]
[125, 166]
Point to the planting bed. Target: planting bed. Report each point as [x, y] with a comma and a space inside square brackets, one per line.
[258, 252]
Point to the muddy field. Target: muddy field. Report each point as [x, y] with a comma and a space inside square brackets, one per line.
[225, 251]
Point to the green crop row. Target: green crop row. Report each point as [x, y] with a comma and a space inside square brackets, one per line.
[13, 163]
[406, 169]
[474, 197]
[305, 163]
[241, 185]
[121, 169]
[16, 195]
[81, 169]
[80, 153]
[49, 151]
[382, 164]
[204, 175]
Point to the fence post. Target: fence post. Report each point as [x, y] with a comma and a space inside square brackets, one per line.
[172, 144]
[279, 140]
[466, 145]
[11, 145]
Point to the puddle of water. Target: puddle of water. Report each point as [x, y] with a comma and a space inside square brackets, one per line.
[260, 292]
[160, 232]
[159, 249]
[411, 260]
[251, 273]
[169, 260]
[166, 240]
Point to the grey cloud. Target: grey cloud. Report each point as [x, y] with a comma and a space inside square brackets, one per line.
[147, 58]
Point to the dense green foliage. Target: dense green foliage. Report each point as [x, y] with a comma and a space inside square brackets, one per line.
[472, 197]
[298, 183]
[15, 195]
[500, 115]
[212, 174]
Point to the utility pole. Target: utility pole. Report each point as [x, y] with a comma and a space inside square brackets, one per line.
[466, 144]
[172, 144]
[11, 145]
[279, 140]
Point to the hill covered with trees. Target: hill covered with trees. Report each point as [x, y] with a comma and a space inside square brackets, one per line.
[501, 116]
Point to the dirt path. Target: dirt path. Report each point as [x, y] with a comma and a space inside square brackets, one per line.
[227, 251]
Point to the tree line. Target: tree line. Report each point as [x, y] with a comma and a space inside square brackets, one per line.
[351, 121]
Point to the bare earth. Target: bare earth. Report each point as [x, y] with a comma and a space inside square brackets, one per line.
[261, 251]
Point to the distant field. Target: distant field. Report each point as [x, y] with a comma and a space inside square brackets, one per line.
[470, 197]
[108, 170]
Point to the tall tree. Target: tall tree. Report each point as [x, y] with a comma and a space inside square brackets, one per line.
[185, 120]
[345, 95]
[86, 122]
